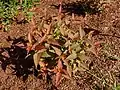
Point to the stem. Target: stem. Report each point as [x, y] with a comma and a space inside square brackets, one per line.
[60, 9]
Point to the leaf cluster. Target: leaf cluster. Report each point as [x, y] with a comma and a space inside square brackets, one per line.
[9, 9]
[59, 50]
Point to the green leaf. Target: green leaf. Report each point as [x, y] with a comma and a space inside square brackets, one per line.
[72, 56]
[116, 87]
[45, 54]
[52, 51]
[82, 55]
[75, 46]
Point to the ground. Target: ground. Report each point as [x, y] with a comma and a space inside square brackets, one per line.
[103, 72]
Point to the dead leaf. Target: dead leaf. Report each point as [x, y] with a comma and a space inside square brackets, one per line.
[82, 32]
[57, 51]
[76, 35]
[46, 26]
[62, 31]
[94, 46]
[71, 35]
[68, 43]
[30, 38]
[90, 34]
[93, 49]
[37, 56]
[66, 32]
[20, 18]
[88, 41]
[73, 16]
[67, 22]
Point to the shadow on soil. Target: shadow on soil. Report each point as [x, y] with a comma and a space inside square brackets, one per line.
[20, 62]
[15, 56]
[80, 8]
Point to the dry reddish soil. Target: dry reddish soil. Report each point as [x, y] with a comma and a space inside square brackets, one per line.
[19, 75]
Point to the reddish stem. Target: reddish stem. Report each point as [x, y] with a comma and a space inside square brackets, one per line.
[60, 8]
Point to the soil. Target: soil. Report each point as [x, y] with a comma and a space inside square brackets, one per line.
[19, 75]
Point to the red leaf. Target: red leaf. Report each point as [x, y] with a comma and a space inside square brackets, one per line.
[38, 47]
[58, 78]
[53, 42]
[33, 25]
[98, 43]
[5, 54]
[60, 65]
[29, 47]
[20, 45]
